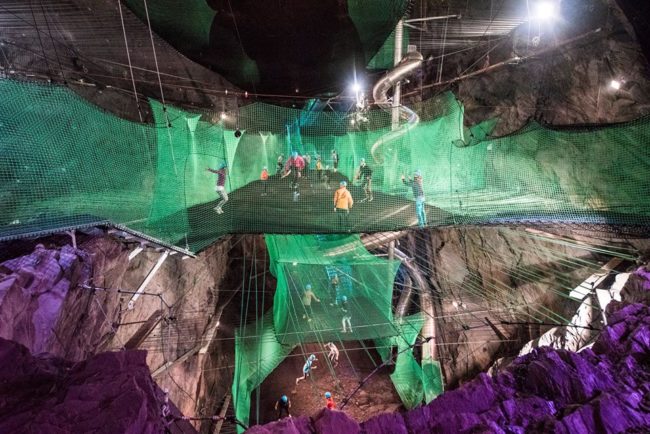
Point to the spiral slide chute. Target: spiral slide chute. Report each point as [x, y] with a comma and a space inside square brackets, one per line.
[411, 62]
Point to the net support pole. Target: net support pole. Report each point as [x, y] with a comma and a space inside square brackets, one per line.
[397, 58]
[148, 279]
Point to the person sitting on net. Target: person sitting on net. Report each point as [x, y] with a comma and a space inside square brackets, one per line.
[220, 187]
[307, 297]
[333, 354]
[418, 194]
[307, 368]
[329, 401]
[342, 205]
[282, 406]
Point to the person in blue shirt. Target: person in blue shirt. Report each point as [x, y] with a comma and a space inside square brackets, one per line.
[307, 368]
[418, 194]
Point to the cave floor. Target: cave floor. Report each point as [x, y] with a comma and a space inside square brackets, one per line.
[376, 396]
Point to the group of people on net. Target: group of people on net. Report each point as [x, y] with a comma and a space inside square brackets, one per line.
[283, 405]
[298, 167]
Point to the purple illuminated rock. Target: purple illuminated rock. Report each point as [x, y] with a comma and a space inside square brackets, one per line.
[108, 393]
[603, 389]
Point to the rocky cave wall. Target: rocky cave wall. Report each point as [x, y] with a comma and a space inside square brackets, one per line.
[545, 79]
[44, 306]
[486, 275]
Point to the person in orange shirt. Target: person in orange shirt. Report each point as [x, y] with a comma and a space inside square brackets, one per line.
[329, 401]
[342, 205]
[264, 177]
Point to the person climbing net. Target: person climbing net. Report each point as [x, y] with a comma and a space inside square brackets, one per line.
[307, 368]
[333, 354]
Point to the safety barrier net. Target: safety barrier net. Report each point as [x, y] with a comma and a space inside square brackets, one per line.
[66, 163]
[322, 282]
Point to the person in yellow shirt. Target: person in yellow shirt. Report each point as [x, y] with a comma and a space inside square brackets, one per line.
[342, 205]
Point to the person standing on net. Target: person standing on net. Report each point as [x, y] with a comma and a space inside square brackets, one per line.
[365, 175]
[329, 401]
[282, 406]
[307, 297]
[264, 177]
[346, 315]
[220, 187]
[335, 160]
[342, 205]
[418, 194]
[280, 165]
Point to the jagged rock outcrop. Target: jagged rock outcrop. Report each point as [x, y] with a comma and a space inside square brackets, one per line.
[63, 301]
[602, 389]
[108, 393]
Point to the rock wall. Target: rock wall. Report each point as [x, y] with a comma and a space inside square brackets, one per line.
[74, 303]
[539, 78]
[108, 393]
[485, 276]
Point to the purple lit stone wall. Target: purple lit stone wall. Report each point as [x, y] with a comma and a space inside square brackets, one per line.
[604, 389]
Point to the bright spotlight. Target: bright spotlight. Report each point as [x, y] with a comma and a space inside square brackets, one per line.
[223, 116]
[546, 10]
[356, 87]
[615, 84]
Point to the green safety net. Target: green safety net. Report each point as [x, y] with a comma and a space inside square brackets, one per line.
[367, 283]
[411, 383]
[67, 163]
[364, 281]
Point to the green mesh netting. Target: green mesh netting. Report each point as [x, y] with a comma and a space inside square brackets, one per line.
[364, 289]
[66, 163]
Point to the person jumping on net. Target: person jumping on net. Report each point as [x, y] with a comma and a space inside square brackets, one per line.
[333, 354]
[307, 297]
[329, 401]
[294, 166]
[418, 194]
[220, 186]
[307, 368]
[282, 406]
[346, 316]
[342, 205]
[365, 175]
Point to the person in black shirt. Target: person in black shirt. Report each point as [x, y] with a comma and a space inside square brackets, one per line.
[282, 406]
[365, 175]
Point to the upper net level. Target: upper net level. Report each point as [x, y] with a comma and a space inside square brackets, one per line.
[66, 163]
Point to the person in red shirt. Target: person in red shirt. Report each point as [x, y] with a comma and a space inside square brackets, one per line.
[294, 166]
[264, 177]
[329, 401]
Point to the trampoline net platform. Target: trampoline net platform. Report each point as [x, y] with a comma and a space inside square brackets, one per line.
[66, 162]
